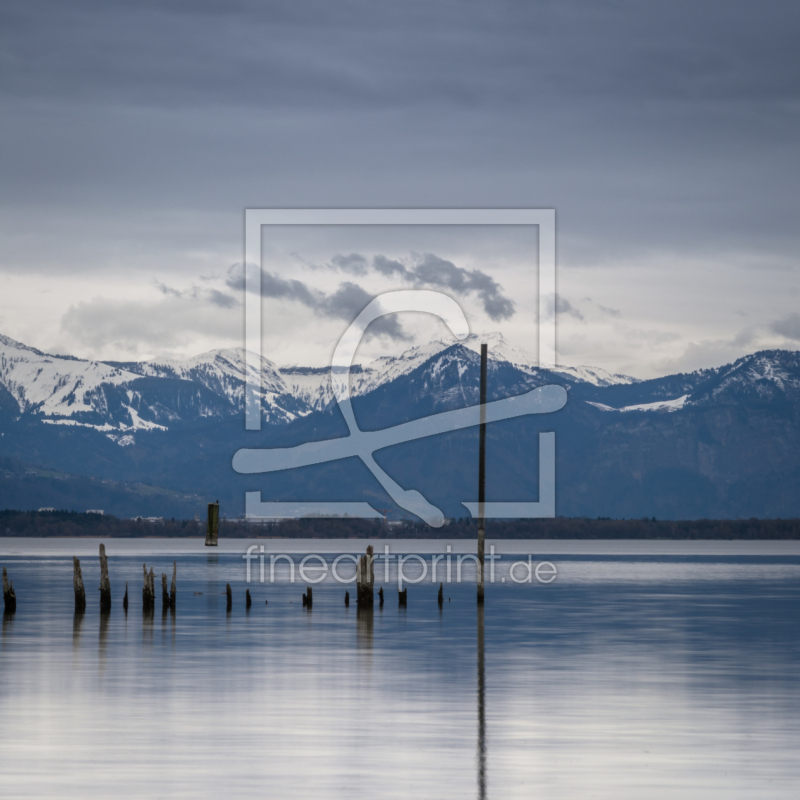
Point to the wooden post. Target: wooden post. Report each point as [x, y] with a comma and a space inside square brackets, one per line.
[365, 579]
[248, 601]
[212, 531]
[148, 590]
[440, 598]
[229, 596]
[173, 591]
[9, 598]
[77, 585]
[125, 599]
[105, 585]
[482, 473]
[308, 597]
[347, 599]
[403, 597]
[380, 595]
[164, 593]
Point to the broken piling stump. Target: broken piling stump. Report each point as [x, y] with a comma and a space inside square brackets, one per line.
[403, 597]
[308, 597]
[173, 591]
[148, 590]
[164, 593]
[347, 599]
[441, 595]
[365, 579]
[9, 598]
[125, 599]
[105, 585]
[248, 601]
[212, 530]
[380, 595]
[77, 585]
[229, 596]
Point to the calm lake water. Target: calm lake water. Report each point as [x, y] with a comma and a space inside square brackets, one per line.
[644, 670]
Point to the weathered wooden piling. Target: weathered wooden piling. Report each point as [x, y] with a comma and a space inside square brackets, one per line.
[248, 601]
[365, 579]
[308, 597]
[482, 473]
[229, 596]
[164, 593]
[212, 531]
[148, 590]
[380, 595]
[77, 585]
[9, 598]
[125, 599]
[347, 599]
[105, 584]
[440, 599]
[173, 591]
[403, 597]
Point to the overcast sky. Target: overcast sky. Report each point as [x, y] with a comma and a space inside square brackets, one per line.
[665, 135]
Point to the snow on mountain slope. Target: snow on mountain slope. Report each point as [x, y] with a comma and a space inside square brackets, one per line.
[386, 369]
[53, 385]
[61, 387]
[222, 371]
[660, 405]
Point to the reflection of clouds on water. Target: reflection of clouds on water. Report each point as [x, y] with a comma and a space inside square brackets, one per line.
[570, 685]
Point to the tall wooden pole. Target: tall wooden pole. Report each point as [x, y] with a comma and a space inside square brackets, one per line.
[212, 531]
[482, 474]
[105, 585]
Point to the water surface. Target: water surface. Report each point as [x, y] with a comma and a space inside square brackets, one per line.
[668, 672]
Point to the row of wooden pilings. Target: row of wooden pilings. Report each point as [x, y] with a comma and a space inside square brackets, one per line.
[168, 597]
[365, 588]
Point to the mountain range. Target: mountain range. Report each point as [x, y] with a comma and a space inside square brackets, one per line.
[157, 437]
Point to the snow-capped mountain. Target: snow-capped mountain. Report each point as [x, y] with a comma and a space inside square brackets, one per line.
[53, 385]
[312, 385]
[716, 442]
[222, 372]
[122, 398]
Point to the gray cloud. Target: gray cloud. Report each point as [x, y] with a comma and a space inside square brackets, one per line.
[611, 312]
[431, 270]
[133, 326]
[434, 271]
[221, 299]
[213, 296]
[388, 266]
[353, 263]
[561, 306]
[345, 303]
[139, 132]
[788, 326]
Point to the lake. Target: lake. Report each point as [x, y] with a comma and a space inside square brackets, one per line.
[642, 670]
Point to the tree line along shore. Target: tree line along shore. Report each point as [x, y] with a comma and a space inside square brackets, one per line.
[73, 523]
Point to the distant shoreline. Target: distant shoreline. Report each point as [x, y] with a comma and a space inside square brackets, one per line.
[70, 524]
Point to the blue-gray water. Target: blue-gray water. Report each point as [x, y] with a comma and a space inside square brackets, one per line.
[668, 673]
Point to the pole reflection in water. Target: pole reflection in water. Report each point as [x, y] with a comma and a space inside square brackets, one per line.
[103, 641]
[365, 622]
[8, 621]
[481, 710]
[148, 617]
[77, 621]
